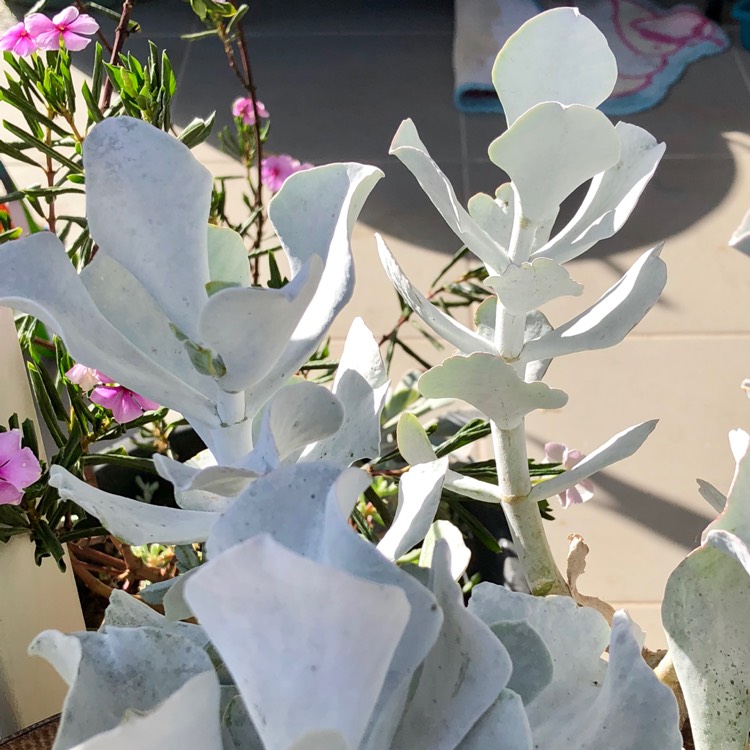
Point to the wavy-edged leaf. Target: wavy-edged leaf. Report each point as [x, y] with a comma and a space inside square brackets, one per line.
[410, 150]
[283, 637]
[444, 532]
[582, 69]
[227, 256]
[611, 197]
[504, 725]
[621, 446]
[146, 180]
[463, 338]
[491, 385]
[462, 675]
[611, 318]
[494, 215]
[550, 150]
[131, 520]
[419, 494]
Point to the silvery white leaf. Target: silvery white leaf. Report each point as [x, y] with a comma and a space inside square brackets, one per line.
[463, 338]
[741, 236]
[582, 69]
[314, 214]
[37, 277]
[284, 637]
[175, 605]
[305, 507]
[462, 675]
[235, 323]
[523, 288]
[228, 260]
[705, 616]
[146, 180]
[503, 726]
[621, 446]
[550, 150]
[211, 489]
[131, 520]
[412, 153]
[125, 611]
[532, 663]
[99, 666]
[494, 215]
[448, 534]
[612, 317]
[129, 307]
[413, 443]
[491, 385]
[360, 386]
[419, 494]
[611, 197]
[717, 500]
[188, 718]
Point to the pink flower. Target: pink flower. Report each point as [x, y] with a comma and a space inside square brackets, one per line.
[17, 39]
[275, 169]
[68, 26]
[125, 405]
[243, 108]
[19, 468]
[557, 453]
[86, 377]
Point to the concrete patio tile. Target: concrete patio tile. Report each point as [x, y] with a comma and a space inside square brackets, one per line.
[647, 513]
[693, 205]
[333, 98]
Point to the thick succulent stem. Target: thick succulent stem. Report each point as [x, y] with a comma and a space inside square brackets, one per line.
[523, 515]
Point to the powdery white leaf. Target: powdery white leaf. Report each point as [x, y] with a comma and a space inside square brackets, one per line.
[461, 676]
[410, 150]
[131, 520]
[413, 442]
[611, 197]
[228, 260]
[523, 288]
[99, 666]
[491, 385]
[146, 180]
[449, 534]
[314, 214]
[612, 317]
[494, 215]
[291, 646]
[705, 616]
[360, 385]
[419, 494]
[582, 69]
[306, 507]
[187, 718]
[37, 277]
[235, 323]
[504, 726]
[463, 338]
[550, 150]
[621, 446]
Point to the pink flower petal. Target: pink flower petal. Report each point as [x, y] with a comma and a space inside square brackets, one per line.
[25, 46]
[74, 42]
[9, 495]
[146, 404]
[10, 444]
[84, 24]
[22, 470]
[553, 453]
[66, 17]
[9, 39]
[48, 41]
[37, 23]
[83, 376]
[118, 400]
[573, 457]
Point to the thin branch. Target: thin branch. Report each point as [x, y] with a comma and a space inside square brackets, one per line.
[121, 34]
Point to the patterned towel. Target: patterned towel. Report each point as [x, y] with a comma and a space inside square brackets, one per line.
[653, 46]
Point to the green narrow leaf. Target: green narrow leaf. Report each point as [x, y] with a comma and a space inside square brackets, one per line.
[45, 406]
[41, 146]
[120, 459]
[47, 544]
[187, 558]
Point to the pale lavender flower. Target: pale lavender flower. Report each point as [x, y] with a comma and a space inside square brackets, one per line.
[275, 169]
[69, 26]
[558, 453]
[17, 39]
[243, 107]
[125, 405]
[85, 377]
[19, 468]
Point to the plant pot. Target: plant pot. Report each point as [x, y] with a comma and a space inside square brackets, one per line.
[37, 737]
[741, 13]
